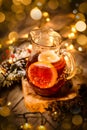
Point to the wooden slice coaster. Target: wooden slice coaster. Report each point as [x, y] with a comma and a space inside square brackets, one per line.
[37, 103]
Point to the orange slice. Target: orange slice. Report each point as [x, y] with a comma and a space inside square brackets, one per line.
[42, 74]
[49, 56]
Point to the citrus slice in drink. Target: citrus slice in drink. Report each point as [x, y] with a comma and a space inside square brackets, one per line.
[42, 74]
[49, 56]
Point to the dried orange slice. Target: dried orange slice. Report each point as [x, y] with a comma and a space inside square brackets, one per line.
[49, 56]
[42, 74]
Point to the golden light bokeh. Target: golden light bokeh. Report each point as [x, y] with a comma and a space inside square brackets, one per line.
[83, 7]
[26, 2]
[36, 13]
[80, 16]
[82, 39]
[45, 14]
[13, 36]
[53, 5]
[16, 2]
[17, 8]
[80, 26]
[2, 17]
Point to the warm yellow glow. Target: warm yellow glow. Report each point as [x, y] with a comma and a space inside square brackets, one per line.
[66, 44]
[10, 60]
[13, 36]
[0, 45]
[45, 14]
[3, 71]
[9, 103]
[30, 47]
[20, 16]
[25, 36]
[73, 29]
[2, 17]
[71, 35]
[80, 26]
[47, 19]
[26, 2]
[53, 4]
[36, 13]
[9, 41]
[27, 126]
[17, 8]
[83, 7]
[80, 49]
[82, 39]
[16, 2]
[80, 16]
[41, 127]
[71, 47]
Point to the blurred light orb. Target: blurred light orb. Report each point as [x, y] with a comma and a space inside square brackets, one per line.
[80, 26]
[27, 126]
[83, 7]
[0, 45]
[26, 2]
[47, 19]
[16, 2]
[13, 36]
[2, 17]
[20, 16]
[73, 29]
[41, 127]
[40, 2]
[36, 13]
[80, 49]
[82, 39]
[80, 16]
[53, 4]
[75, 11]
[17, 8]
[71, 35]
[45, 14]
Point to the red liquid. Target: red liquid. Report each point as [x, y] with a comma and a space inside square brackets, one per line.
[50, 91]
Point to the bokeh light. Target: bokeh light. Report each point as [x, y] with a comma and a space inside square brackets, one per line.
[36, 13]
[82, 39]
[13, 36]
[53, 5]
[16, 2]
[26, 2]
[80, 26]
[83, 7]
[80, 16]
[2, 17]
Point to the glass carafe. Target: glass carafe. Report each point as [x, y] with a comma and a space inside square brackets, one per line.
[49, 66]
